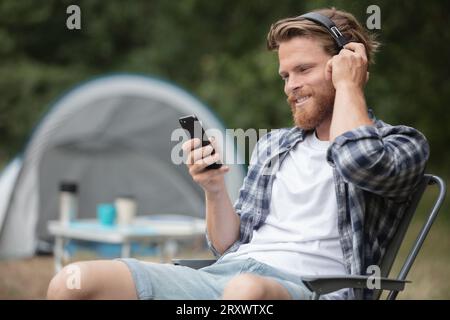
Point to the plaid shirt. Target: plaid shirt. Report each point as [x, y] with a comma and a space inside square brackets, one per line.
[375, 171]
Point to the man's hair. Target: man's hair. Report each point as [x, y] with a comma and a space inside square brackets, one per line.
[288, 28]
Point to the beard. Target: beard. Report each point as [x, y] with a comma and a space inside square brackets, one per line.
[314, 111]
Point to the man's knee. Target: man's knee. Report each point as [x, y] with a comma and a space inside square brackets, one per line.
[246, 287]
[67, 284]
[101, 279]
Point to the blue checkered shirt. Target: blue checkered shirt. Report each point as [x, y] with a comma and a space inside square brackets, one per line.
[375, 171]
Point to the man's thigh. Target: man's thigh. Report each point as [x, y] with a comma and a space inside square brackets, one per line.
[167, 281]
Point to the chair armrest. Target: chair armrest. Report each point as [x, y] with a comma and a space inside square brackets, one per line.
[326, 284]
[193, 263]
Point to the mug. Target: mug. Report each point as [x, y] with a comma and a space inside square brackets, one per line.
[106, 214]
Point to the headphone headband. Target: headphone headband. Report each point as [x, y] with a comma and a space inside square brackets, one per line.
[318, 18]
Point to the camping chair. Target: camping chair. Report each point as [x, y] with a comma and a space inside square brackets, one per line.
[320, 285]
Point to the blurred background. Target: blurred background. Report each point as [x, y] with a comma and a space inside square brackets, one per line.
[216, 51]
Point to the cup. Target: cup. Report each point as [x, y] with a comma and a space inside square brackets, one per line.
[126, 210]
[106, 214]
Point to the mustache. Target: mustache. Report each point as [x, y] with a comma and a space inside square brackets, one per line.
[295, 95]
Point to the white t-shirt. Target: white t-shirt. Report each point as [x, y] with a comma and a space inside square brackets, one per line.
[300, 234]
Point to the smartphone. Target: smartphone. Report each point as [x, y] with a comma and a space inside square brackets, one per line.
[192, 125]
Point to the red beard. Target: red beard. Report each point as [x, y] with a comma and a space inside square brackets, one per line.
[313, 112]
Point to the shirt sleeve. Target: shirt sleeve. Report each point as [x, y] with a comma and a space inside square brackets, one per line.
[387, 160]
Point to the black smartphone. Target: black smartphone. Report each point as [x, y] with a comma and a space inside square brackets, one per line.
[192, 125]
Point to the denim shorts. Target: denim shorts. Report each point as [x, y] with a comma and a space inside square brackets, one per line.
[158, 281]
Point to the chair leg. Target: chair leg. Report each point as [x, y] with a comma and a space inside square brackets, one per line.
[315, 296]
[392, 295]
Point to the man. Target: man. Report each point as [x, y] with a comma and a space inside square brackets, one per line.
[323, 197]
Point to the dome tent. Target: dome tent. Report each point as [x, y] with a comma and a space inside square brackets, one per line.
[111, 135]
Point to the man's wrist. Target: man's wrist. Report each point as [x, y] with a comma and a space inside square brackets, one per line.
[348, 86]
[215, 193]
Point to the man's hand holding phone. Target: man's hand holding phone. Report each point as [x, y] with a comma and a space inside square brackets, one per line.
[198, 158]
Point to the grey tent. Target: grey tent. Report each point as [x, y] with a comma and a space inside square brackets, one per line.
[113, 136]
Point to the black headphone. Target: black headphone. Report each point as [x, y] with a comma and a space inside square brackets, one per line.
[318, 18]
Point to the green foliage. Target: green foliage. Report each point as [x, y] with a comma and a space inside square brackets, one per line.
[215, 49]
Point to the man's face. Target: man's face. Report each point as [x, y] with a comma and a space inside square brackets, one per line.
[310, 95]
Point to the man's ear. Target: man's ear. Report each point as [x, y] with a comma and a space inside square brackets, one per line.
[367, 76]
